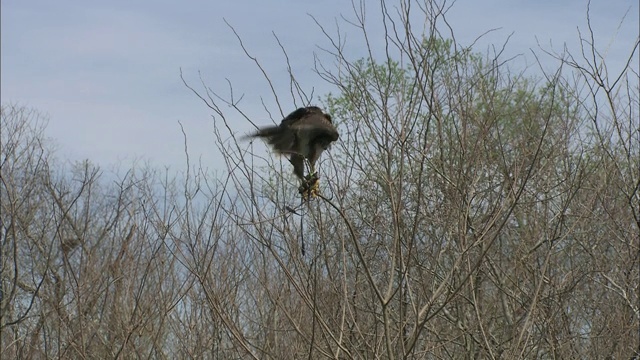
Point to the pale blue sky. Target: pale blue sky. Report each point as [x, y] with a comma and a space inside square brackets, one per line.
[107, 73]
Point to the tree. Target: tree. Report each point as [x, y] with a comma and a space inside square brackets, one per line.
[458, 204]
[468, 211]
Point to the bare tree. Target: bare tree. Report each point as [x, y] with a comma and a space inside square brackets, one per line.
[457, 204]
[469, 210]
[86, 268]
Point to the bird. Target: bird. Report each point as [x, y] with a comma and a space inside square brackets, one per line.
[302, 135]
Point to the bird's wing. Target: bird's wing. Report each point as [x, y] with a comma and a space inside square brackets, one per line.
[294, 117]
[281, 138]
[315, 125]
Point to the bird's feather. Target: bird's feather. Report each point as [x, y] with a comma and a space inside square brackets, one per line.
[303, 134]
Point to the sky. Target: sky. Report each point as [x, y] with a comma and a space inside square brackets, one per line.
[107, 74]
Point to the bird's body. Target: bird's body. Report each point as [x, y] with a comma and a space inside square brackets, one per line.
[303, 134]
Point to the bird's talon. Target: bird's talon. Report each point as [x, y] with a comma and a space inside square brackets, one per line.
[310, 188]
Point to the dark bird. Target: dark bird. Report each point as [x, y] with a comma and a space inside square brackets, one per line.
[302, 135]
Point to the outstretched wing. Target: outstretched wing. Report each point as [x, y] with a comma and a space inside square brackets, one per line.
[282, 139]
